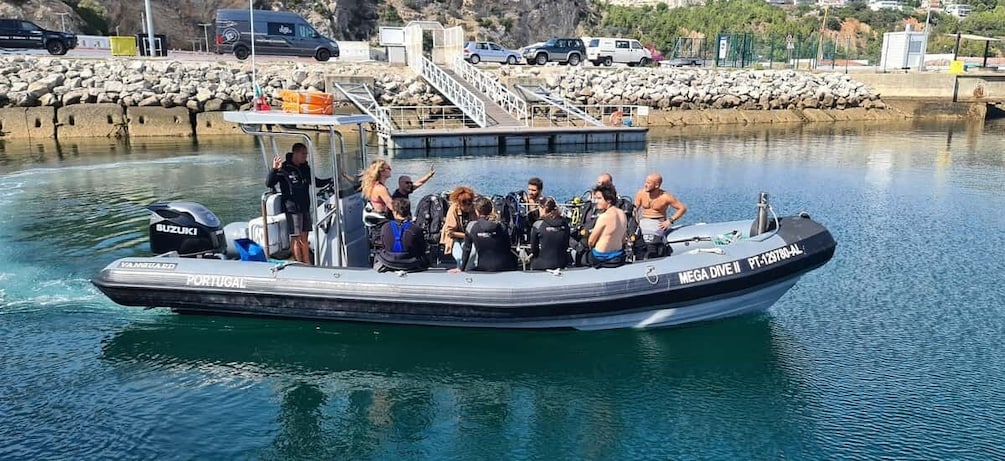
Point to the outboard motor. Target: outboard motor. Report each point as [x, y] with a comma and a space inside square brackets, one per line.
[186, 227]
[760, 224]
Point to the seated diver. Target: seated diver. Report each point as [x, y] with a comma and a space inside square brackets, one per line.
[403, 243]
[607, 238]
[549, 238]
[489, 239]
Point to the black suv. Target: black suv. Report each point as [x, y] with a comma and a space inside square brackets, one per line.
[569, 51]
[18, 33]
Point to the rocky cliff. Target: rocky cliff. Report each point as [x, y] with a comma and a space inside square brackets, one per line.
[515, 23]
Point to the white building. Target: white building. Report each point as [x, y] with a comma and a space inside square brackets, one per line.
[885, 5]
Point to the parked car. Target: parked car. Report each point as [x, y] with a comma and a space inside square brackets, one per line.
[475, 52]
[607, 51]
[569, 51]
[18, 33]
[281, 33]
[682, 62]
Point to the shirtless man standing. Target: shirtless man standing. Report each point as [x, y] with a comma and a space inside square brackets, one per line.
[654, 222]
[607, 238]
[655, 202]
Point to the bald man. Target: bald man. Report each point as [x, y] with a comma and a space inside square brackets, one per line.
[655, 202]
[406, 186]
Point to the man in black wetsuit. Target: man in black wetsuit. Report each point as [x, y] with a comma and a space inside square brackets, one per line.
[404, 243]
[549, 238]
[293, 177]
[489, 239]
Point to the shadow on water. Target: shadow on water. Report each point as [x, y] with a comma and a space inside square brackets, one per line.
[348, 389]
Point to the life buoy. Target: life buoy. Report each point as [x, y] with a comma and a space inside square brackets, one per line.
[315, 109]
[616, 117]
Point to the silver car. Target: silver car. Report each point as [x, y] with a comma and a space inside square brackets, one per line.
[475, 52]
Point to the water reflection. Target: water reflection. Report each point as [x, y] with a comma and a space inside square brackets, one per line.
[363, 391]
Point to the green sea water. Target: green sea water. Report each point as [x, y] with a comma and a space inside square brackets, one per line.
[892, 350]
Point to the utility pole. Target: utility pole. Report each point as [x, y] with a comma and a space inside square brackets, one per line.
[820, 38]
[924, 49]
[62, 22]
[205, 32]
[150, 30]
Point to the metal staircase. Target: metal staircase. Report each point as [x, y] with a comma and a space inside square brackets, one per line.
[455, 90]
[483, 84]
[543, 94]
[360, 95]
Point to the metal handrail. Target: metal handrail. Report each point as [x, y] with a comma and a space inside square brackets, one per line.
[452, 89]
[555, 101]
[599, 111]
[491, 87]
[368, 105]
[443, 116]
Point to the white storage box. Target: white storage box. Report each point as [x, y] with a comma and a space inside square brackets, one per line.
[279, 234]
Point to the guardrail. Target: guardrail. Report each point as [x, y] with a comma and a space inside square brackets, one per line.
[449, 87]
[548, 115]
[491, 87]
[427, 117]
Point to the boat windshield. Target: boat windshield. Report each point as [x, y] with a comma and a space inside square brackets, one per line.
[350, 166]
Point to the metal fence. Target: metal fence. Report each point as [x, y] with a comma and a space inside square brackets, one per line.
[546, 115]
[428, 117]
[747, 50]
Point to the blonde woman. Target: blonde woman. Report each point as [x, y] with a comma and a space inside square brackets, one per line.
[374, 188]
[459, 214]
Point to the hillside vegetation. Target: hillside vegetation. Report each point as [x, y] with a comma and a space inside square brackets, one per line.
[853, 31]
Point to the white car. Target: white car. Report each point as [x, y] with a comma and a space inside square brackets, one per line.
[475, 52]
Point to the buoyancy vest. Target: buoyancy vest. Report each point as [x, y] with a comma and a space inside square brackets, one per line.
[398, 230]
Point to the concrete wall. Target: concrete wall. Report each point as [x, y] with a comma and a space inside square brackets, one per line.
[91, 121]
[27, 122]
[986, 86]
[159, 121]
[353, 51]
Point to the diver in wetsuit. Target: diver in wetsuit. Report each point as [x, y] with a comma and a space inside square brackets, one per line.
[403, 243]
[489, 239]
[549, 239]
[293, 177]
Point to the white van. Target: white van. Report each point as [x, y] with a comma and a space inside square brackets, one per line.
[279, 33]
[607, 51]
[959, 10]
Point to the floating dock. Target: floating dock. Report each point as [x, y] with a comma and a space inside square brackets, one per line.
[514, 139]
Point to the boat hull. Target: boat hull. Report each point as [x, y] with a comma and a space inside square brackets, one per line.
[697, 284]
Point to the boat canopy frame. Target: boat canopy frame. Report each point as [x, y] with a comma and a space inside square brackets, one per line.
[267, 127]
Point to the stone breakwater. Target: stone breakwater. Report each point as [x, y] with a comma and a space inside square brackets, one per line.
[27, 81]
[698, 89]
[130, 97]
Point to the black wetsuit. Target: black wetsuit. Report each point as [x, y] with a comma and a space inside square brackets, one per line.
[549, 243]
[403, 246]
[295, 186]
[491, 241]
